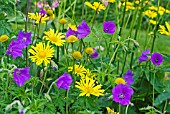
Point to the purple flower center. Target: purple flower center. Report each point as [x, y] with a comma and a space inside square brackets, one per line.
[121, 96]
[18, 73]
[156, 59]
[107, 29]
[24, 39]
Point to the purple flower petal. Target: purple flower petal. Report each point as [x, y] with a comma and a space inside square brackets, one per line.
[83, 30]
[14, 49]
[129, 77]
[24, 38]
[64, 81]
[109, 27]
[71, 32]
[122, 94]
[156, 59]
[21, 75]
[144, 56]
[95, 54]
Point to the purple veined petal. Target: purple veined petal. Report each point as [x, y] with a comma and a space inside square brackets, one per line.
[109, 27]
[83, 30]
[146, 52]
[95, 54]
[71, 32]
[156, 59]
[64, 81]
[129, 77]
[143, 58]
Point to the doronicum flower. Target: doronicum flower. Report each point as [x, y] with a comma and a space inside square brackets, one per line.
[73, 27]
[72, 39]
[129, 6]
[122, 94]
[120, 81]
[163, 30]
[156, 59]
[152, 21]
[21, 75]
[97, 6]
[89, 50]
[78, 70]
[38, 17]
[64, 81]
[111, 111]
[41, 53]
[88, 87]
[63, 21]
[150, 14]
[3, 38]
[54, 38]
[77, 55]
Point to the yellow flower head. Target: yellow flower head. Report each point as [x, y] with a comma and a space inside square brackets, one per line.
[120, 81]
[96, 6]
[77, 55]
[163, 30]
[111, 111]
[38, 17]
[152, 22]
[41, 53]
[73, 27]
[78, 70]
[3, 38]
[111, 1]
[150, 14]
[89, 50]
[129, 6]
[88, 87]
[55, 38]
[72, 39]
[63, 21]
[49, 12]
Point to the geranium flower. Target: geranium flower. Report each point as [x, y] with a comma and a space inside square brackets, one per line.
[24, 38]
[14, 49]
[21, 75]
[88, 87]
[156, 59]
[83, 30]
[144, 56]
[55, 38]
[41, 53]
[122, 94]
[64, 81]
[129, 77]
[95, 54]
[109, 27]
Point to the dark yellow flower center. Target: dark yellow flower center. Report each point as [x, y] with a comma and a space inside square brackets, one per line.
[42, 54]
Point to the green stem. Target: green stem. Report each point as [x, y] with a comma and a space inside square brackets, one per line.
[57, 56]
[153, 97]
[164, 111]
[127, 109]
[67, 102]
[114, 54]
[6, 90]
[105, 12]
[94, 19]
[44, 75]
[120, 109]
[82, 10]
[73, 17]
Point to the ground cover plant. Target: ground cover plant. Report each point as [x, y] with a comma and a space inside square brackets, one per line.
[84, 57]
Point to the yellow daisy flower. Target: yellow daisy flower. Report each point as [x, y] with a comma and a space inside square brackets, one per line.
[111, 1]
[41, 53]
[77, 55]
[152, 22]
[89, 50]
[72, 39]
[96, 6]
[38, 18]
[55, 38]
[163, 30]
[3, 38]
[78, 70]
[88, 87]
[73, 27]
[150, 14]
[111, 111]
[63, 21]
[120, 81]
[129, 6]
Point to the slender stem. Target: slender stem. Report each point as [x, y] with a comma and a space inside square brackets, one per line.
[114, 54]
[164, 111]
[67, 102]
[127, 109]
[74, 19]
[153, 97]
[57, 56]
[105, 12]
[51, 87]
[94, 18]
[6, 90]
[82, 9]
[44, 75]
[120, 109]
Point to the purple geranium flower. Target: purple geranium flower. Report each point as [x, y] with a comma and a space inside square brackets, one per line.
[129, 77]
[14, 49]
[21, 75]
[144, 56]
[109, 27]
[64, 81]
[83, 30]
[42, 12]
[122, 94]
[156, 59]
[71, 32]
[24, 38]
[95, 54]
